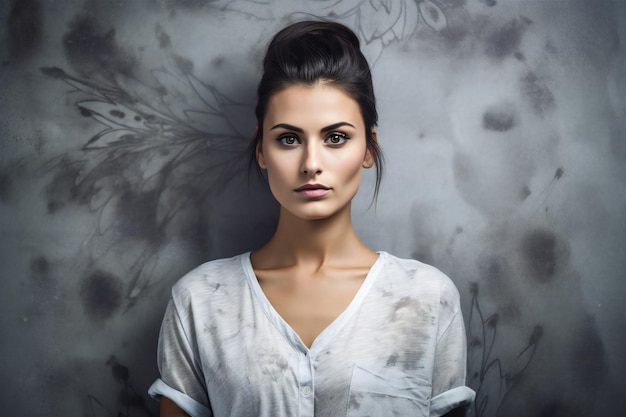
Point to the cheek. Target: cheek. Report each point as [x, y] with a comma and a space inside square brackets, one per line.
[274, 162]
[278, 169]
[352, 166]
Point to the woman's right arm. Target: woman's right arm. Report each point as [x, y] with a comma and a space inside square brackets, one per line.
[181, 382]
[170, 409]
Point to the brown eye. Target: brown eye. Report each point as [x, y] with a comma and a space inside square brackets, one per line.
[336, 138]
[288, 140]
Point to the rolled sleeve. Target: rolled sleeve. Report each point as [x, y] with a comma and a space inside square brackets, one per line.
[452, 399]
[188, 404]
[182, 379]
[450, 366]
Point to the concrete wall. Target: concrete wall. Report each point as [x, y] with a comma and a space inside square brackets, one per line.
[123, 130]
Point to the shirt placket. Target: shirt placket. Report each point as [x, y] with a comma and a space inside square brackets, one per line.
[306, 387]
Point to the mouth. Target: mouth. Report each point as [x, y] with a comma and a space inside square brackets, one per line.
[312, 187]
[313, 190]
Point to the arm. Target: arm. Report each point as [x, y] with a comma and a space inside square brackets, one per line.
[170, 409]
[181, 386]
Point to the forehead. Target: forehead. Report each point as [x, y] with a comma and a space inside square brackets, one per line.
[310, 105]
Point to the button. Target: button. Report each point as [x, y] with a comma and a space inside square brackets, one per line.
[306, 390]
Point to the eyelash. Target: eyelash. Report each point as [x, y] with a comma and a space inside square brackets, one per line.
[332, 135]
[342, 137]
[282, 138]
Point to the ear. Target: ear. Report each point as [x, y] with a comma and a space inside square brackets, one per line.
[260, 159]
[368, 160]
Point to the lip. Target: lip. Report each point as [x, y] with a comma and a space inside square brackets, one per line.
[313, 190]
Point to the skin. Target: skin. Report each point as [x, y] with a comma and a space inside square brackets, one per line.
[313, 134]
[169, 409]
[315, 263]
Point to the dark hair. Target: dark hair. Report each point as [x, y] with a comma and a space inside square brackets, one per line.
[312, 51]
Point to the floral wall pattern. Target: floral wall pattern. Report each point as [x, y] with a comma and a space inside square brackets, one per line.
[123, 164]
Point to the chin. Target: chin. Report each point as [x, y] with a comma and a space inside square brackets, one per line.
[316, 217]
[311, 215]
[317, 210]
[316, 213]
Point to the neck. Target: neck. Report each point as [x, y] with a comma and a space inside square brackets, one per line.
[300, 241]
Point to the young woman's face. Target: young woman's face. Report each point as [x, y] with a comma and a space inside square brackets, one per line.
[313, 148]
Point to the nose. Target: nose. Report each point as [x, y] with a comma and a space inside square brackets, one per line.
[311, 162]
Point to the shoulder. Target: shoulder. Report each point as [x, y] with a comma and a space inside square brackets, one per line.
[210, 277]
[420, 277]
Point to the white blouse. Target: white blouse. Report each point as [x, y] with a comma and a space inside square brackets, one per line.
[398, 349]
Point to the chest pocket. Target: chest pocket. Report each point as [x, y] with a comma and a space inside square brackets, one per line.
[387, 392]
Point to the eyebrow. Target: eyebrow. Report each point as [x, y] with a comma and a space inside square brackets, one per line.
[299, 130]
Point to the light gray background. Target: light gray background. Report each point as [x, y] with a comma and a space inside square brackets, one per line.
[123, 129]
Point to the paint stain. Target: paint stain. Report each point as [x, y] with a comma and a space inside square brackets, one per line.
[92, 49]
[499, 120]
[505, 40]
[540, 251]
[24, 28]
[537, 93]
[101, 295]
[391, 361]
[407, 308]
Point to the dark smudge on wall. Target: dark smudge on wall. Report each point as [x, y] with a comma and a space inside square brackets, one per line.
[543, 253]
[499, 119]
[92, 48]
[101, 295]
[537, 93]
[505, 40]
[24, 28]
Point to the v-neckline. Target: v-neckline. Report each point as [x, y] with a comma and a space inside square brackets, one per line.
[329, 332]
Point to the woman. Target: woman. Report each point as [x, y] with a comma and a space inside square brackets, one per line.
[314, 323]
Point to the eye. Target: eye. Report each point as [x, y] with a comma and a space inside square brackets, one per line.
[287, 140]
[336, 138]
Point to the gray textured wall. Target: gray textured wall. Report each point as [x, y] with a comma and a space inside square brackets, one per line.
[123, 126]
